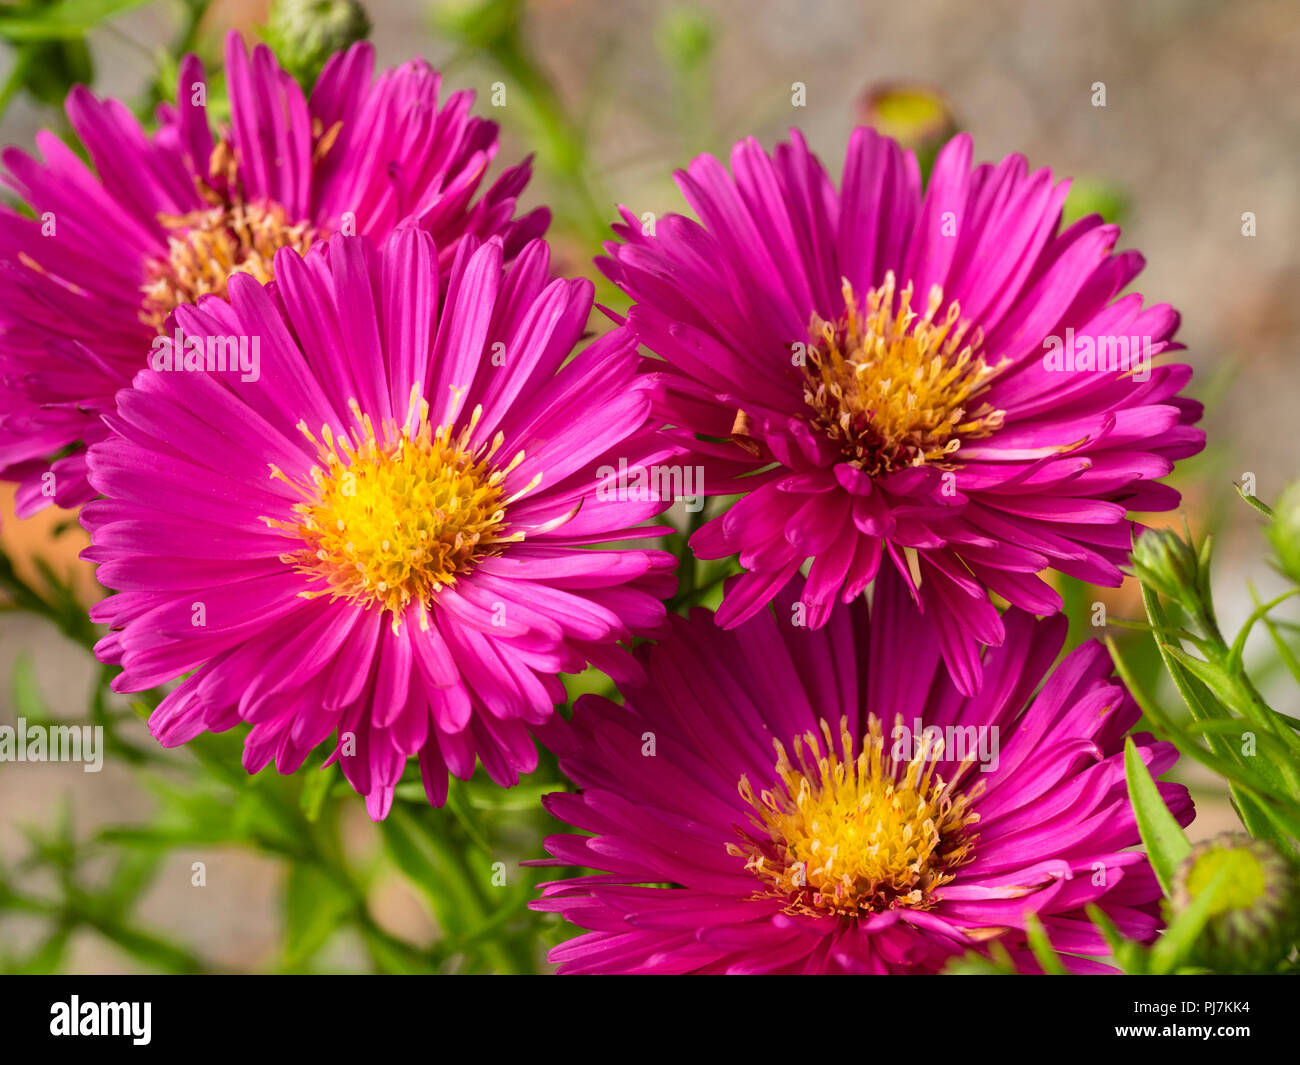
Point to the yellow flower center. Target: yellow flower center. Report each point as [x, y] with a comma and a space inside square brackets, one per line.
[852, 835]
[206, 247]
[391, 521]
[896, 388]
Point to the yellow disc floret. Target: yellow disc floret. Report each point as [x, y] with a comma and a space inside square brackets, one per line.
[853, 835]
[231, 236]
[896, 388]
[205, 248]
[391, 519]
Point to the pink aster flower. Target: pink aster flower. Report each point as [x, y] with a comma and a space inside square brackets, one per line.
[382, 535]
[876, 369]
[88, 282]
[792, 800]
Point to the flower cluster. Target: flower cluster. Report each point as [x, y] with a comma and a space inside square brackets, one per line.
[164, 219]
[347, 456]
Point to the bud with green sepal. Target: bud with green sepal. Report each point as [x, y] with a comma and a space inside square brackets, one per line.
[917, 116]
[305, 33]
[1170, 565]
[1255, 916]
[1089, 196]
[1284, 532]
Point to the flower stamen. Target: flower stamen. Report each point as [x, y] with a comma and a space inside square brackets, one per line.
[206, 247]
[392, 520]
[853, 835]
[895, 388]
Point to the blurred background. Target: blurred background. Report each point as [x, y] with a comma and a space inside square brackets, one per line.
[1201, 124]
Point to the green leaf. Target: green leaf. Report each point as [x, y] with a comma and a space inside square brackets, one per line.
[1199, 701]
[1042, 947]
[28, 702]
[458, 806]
[65, 20]
[1284, 652]
[590, 681]
[1089, 196]
[47, 957]
[1236, 730]
[393, 957]
[315, 905]
[315, 790]
[524, 797]
[1202, 705]
[1175, 946]
[1258, 504]
[1166, 843]
[1212, 676]
[134, 873]
[427, 861]
[972, 963]
[1235, 692]
[1259, 613]
[1128, 954]
[1261, 806]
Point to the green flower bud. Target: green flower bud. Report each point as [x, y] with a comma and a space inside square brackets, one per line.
[917, 116]
[1285, 531]
[1255, 918]
[305, 33]
[1164, 561]
[685, 38]
[479, 24]
[1089, 196]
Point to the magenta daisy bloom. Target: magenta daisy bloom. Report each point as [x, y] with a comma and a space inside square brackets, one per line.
[905, 379]
[782, 799]
[88, 282]
[382, 535]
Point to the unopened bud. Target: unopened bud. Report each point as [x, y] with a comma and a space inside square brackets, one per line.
[917, 116]
[305, 33]
[1255, 917]
[1165, 562]
[1285, 531]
